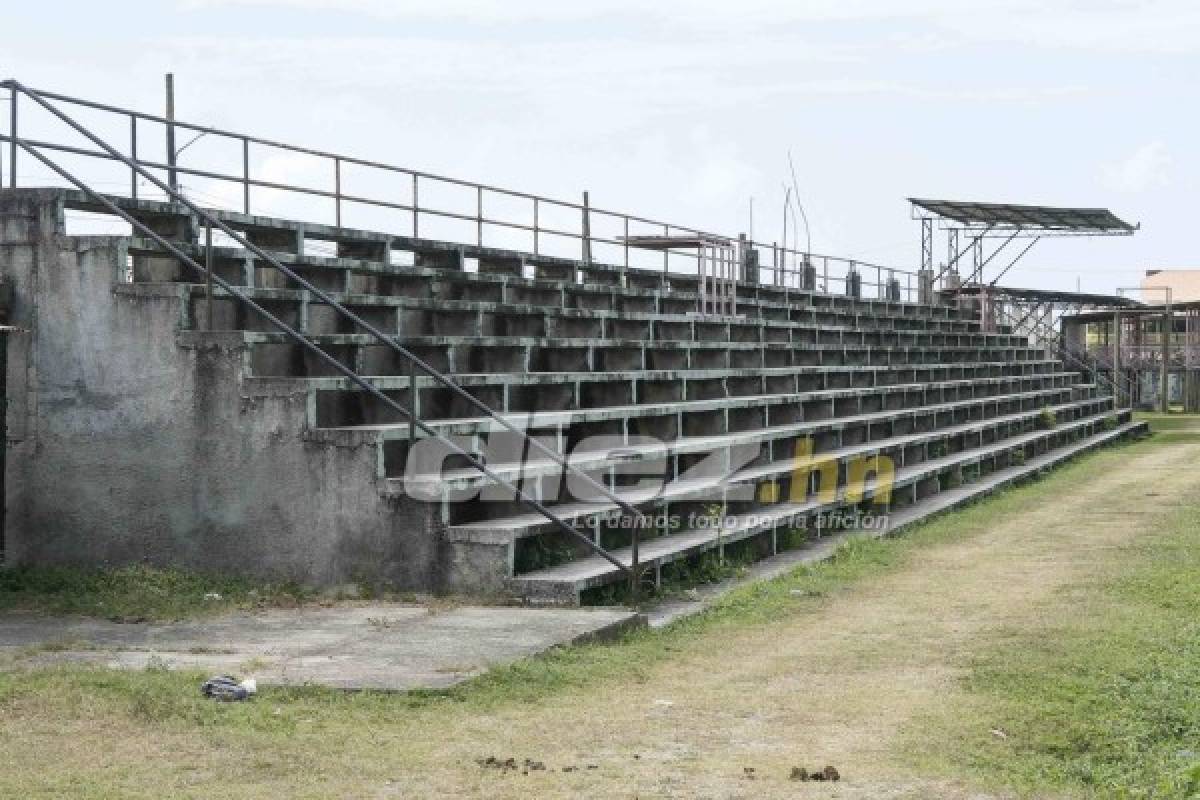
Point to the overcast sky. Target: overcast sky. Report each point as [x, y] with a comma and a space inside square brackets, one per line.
[685, 111]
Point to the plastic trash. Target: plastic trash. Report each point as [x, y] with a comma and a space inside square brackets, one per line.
[226, 688]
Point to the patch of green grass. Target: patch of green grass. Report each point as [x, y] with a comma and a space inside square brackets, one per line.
[137, 593]
[1104, 703]
[173, 697]
[1169, 422]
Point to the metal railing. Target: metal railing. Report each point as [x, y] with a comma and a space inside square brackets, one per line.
[409, 411]
[1046, 336]
[592, 228]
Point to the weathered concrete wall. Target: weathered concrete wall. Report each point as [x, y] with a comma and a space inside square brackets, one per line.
[130, 447]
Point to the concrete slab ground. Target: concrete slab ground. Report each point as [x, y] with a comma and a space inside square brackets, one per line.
[391, 647]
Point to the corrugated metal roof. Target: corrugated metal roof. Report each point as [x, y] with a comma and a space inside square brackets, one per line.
[1009, 216]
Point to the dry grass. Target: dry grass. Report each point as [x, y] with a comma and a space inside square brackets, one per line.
[841, 665]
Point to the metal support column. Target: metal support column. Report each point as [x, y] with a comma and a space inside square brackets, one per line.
[1116, 359]
[172, 175]
[926, 243]
[1164, 401]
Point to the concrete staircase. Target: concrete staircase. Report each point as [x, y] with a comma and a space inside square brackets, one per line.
[733, 432]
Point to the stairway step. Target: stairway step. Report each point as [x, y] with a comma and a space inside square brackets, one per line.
[471, 478]
[508, 528]
[568, 580]
[543, 420]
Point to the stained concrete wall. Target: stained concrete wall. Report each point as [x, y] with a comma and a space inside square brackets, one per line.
[128, 446]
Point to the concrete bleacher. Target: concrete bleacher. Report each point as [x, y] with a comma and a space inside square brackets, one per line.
[723, 409]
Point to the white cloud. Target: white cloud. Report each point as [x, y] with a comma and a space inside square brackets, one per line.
[1146, 167]
[1160, 26]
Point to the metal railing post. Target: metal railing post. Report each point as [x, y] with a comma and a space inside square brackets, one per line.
[208, 277]
[416, 205]
[413, 404]
[172, 175]
[536, 225]
[246, 175]
[1165, 378]
[666, 250]
[626, 242]
[479, 216]
[12, 145]
[635, 565]
[587, 230]
[337, 191]
[133, 154]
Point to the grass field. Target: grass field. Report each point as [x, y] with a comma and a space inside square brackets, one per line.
[1041, 643]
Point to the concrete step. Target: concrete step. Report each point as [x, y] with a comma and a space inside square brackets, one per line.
[564, 584]
[558, 420]
[361, 249]
[340, 409]
[274, 354]
[949, 499]
[409, 314]
[459, 480]
[926, 353]
[840, 376]
[506, 528]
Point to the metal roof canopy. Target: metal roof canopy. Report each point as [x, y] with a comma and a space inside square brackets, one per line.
[1046, 296]
[1006, 222]
[1135, 311]
[1037, 220]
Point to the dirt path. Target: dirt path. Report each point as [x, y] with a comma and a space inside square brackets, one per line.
[845, 685]
[836, 688]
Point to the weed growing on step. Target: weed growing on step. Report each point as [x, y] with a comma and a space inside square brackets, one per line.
[540, 552]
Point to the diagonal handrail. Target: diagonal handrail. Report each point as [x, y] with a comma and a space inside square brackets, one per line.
[1048, 334]
[633, 570]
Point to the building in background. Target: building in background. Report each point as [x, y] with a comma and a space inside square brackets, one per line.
[1183, 283]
